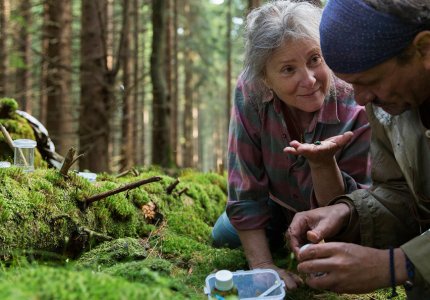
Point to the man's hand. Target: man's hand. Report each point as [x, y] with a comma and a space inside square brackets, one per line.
[317, 224]
[348, 268]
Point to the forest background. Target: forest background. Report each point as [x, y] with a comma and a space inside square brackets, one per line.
[127, 82]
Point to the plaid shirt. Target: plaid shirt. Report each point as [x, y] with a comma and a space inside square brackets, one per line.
[258, 168]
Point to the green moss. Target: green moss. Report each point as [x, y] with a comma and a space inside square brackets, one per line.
[187, 224]
[139, 197]
[61, 283]
[109, 253]
[8, 106]
[180, 247]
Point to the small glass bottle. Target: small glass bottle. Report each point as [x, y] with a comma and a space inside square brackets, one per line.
[224, 286]
[24, 154]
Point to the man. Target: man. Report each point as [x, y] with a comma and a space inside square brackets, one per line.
[383, 49]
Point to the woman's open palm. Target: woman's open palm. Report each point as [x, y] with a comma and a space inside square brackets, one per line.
[320, 151]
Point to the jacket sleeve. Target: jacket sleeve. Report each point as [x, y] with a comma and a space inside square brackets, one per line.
[384, 210]
[247, 206]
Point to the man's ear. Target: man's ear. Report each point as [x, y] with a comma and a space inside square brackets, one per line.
[422, 44]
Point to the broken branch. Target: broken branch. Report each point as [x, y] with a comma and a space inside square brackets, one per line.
[171, 187]
[120, 189]
[68, 159]
[182, 191]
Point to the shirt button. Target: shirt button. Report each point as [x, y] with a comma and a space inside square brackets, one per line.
[428, 133]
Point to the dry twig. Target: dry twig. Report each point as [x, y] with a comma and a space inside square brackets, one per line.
[69, 160]
[171, 187]
[120, 189]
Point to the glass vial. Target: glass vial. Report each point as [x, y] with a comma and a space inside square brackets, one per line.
[24, 154]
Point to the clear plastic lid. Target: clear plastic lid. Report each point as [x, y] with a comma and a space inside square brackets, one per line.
[4, 164]
[24, 143]
[253, 284]
[91, 177]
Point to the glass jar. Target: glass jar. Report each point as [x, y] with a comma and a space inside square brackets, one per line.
[24, 154]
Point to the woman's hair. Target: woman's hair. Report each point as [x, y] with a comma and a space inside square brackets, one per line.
[269, 26]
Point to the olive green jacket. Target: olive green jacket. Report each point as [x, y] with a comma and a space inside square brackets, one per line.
[394, 211]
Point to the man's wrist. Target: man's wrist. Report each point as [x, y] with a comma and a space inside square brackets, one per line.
[349, 228]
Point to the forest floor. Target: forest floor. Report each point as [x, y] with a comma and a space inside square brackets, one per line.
[150, 242]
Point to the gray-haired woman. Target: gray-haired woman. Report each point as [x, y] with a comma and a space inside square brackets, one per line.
[296, 140]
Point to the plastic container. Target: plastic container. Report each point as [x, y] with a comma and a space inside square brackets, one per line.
[91, 177]
[254, 284]
[4, 164]
[24, 154]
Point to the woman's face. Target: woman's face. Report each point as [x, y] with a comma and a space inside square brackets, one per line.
[298, 75]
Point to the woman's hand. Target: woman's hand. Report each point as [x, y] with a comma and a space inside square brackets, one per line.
[322, 152]
[291, 280]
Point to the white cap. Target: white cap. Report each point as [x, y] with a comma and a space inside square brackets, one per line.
[24, 143]
[224, 280]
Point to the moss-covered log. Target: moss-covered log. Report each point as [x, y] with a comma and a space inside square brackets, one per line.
[43, 211]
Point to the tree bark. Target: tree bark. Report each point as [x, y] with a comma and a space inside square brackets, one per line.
[188, 120]
[59, 119]
[161, 145]
[138, 124]
[175, 89]
[23, 84]
[3, 53]
[253, 4]
[96, 89]
[128, 110]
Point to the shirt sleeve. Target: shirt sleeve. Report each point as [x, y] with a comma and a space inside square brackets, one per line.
[247, 206]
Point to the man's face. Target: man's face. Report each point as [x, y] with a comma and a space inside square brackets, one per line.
[392, 86]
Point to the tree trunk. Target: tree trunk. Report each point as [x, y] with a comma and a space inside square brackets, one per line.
[96, 83]
[3, 53]
[138, 150]
[161, 146]
[175, 90]
[170, 74]
[59, 119]
[188, 121]
[23, 82]
[228, 71]
[253, 4]
[127, 145]
[43, 100]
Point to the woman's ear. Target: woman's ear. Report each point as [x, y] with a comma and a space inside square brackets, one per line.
[422, 44]
[266, 82]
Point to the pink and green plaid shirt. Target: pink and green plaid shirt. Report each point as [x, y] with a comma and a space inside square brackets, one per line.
[258, 168]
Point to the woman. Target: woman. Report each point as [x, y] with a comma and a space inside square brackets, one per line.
[297, 139]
